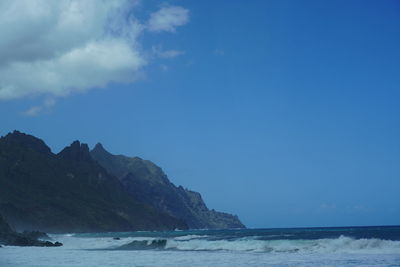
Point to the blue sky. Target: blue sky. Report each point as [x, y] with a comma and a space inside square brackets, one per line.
[283, 112]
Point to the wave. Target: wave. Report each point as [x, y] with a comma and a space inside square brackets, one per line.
[190, 237]
[342, 244]
[143, 245]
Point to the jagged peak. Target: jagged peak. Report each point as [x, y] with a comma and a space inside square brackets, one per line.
[76, 151]
[99, 148]
[28, 141]
[77, 145]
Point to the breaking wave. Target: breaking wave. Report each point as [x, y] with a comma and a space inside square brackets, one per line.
[341, 244]
[143, 245]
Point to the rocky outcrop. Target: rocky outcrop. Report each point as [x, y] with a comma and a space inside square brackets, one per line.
[9, 237]
[147, 183]
[67, 192]
[76, 152]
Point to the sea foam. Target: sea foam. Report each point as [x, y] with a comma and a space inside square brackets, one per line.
[342, 244]
[367, 246]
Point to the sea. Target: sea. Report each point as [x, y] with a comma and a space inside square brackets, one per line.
[339, 246]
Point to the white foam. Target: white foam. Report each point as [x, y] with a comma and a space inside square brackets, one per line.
[97, 242]
[190, 237]
[342, 251]
[340, 245]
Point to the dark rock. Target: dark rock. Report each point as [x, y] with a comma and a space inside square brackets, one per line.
[28, 141]
[50, 244]
[36, 235]
[117, 238]
[11, 238]
[76, 152]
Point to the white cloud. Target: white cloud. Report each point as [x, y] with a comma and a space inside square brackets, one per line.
[168, 18]
[83, 68]
[159, 52]
[170, 53]
[37, 110]
[59, 47]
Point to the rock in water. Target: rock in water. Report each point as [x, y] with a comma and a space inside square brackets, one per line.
[11, 238]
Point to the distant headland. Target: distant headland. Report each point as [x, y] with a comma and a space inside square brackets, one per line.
[78, 190]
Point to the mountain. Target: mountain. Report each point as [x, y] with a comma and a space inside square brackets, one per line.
[147, 183]
[68, 191]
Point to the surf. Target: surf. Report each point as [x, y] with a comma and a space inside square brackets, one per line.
[342, 244]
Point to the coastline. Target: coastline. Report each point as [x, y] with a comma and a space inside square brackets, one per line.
[244, 247]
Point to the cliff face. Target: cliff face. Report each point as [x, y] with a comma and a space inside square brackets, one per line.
[4, 227]
[67, 192]
[147, 183]
[78, 190]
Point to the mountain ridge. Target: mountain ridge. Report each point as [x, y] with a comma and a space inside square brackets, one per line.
[67, 192]
[83, 190]
[147, 182]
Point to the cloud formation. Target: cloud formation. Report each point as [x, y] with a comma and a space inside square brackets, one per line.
[168, 18]
[37, 110]
[60, 47]
[159, 52]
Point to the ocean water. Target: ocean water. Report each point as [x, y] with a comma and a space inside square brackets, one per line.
[346, 246]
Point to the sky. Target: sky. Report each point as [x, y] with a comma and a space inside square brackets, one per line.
[285, 113]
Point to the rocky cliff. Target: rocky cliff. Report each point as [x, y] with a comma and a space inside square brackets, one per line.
[147, 183]
[68, 192]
